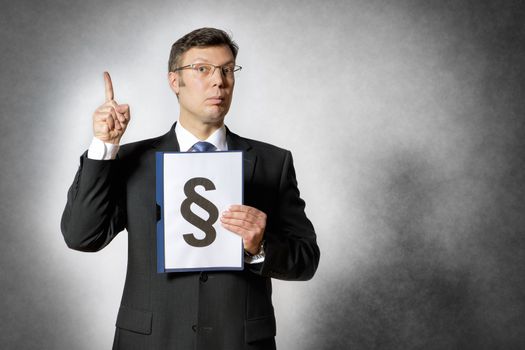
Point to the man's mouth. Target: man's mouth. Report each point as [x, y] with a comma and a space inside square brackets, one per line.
[215, 100]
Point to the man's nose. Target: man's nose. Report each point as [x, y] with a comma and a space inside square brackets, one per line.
[217, 77]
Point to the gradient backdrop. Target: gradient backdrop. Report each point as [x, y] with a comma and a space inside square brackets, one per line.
[406, 120]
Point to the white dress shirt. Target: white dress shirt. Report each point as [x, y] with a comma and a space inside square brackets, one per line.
[186, 139]
[100, 150]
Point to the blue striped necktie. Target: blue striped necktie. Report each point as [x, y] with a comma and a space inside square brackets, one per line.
[203, 146]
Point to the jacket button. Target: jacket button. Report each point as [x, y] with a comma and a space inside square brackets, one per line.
[204, 277]
[194, 328]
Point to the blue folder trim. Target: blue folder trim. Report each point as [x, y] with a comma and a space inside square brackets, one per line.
[242, 200]
[159, 157]
[161, 263]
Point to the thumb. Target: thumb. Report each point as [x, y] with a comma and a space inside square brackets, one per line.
[122, 108]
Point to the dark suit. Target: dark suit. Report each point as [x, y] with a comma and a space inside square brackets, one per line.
[208, 310]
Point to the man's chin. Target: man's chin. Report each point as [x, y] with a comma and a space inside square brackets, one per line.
[216, 120]
[216, 115]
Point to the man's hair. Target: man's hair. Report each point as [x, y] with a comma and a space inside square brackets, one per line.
[203, 37]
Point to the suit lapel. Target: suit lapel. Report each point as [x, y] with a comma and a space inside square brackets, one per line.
[237, 143]
[168, 142]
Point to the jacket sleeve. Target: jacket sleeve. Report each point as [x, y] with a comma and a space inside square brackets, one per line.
[291, 250]
[94, 212]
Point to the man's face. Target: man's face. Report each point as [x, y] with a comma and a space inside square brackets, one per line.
[204, 101]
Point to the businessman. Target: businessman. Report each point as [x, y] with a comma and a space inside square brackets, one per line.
[114, 189]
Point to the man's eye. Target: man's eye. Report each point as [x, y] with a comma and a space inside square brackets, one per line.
[227, 69]
[203, 69]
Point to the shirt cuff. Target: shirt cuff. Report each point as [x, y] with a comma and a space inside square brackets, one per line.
[100, 150]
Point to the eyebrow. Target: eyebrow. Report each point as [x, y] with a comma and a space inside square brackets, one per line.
[207, 61]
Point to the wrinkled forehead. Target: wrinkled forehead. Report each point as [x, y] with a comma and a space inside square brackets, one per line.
[217, 55]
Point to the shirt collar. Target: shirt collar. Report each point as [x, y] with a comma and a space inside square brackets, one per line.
[186, 139]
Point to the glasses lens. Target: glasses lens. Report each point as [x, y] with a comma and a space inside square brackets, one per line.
[202, 69]
[228, 70]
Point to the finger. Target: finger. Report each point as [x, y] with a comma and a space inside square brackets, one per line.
[110, 120]
[102, 117]
[235, 229]
[116, 119]
[105, 109]
[109, 87]
[246, 209]
[123, 113]
[121, 118]
[113, 118]
[246, 213]
[239, 222]
[244, 219]
[101, 129]
[111, 103]
[122, 108]
[246, 230]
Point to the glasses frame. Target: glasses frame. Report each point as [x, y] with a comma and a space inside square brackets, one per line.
[194, 67]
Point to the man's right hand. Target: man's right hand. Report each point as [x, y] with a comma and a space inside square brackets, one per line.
[111, 119]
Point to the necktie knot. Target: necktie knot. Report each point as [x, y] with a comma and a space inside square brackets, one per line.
[203, 146]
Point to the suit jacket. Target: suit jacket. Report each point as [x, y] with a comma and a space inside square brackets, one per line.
[209, 310]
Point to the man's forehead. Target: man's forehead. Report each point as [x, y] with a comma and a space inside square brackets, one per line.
[209, 54]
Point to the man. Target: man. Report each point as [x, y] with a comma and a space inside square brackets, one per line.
[191, 310]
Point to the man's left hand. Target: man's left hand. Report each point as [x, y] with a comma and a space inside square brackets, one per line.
[247, 222]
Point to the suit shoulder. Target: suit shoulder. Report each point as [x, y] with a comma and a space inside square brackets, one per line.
[265, 147]
[138, 147]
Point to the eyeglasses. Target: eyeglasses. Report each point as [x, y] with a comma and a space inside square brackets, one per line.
[206, 70]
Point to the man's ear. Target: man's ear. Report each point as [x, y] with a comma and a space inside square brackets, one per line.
[173, 80]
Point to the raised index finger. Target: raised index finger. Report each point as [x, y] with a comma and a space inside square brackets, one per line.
[109, 87]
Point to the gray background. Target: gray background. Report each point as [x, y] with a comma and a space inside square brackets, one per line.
[406, 123]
